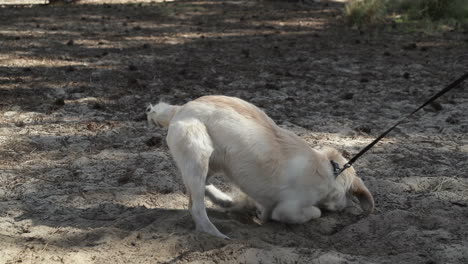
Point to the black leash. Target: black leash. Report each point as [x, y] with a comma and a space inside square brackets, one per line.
[454, 84]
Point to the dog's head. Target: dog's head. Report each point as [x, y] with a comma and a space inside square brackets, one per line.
[346, 186]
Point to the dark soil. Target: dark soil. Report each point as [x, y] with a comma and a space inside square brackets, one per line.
[83, 179]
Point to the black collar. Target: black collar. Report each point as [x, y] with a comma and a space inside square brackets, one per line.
[336, 167]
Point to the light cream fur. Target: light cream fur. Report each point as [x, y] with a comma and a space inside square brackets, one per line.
[287, 179]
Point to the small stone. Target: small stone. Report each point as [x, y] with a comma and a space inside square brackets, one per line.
[124, 179]
[59, 101]
[364, 129]
[154, 142]
[245, 52]
[92, 126]
[410, 46]
[97, 106]
[19, 124]
[452, 120]
[182, 71]
[437, 106]
[347, 96]
[270, 85]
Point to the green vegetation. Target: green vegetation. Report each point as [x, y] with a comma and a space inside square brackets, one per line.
[435, 12]
[365, 12]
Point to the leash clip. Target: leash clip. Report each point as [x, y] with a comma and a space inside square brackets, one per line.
[336, 168]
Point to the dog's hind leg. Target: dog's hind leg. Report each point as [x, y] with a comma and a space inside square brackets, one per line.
[191, 148]
[292, 213]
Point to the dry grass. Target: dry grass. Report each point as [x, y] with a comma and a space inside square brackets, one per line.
[374, 12]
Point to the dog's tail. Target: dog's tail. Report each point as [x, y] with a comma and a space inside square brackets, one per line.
[161, 113]
[241, 202]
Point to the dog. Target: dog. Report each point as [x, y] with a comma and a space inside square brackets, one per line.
[288, 180]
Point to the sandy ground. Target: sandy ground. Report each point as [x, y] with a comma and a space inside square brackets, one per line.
[84, 180]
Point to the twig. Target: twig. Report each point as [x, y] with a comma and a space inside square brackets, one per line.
[42, 250]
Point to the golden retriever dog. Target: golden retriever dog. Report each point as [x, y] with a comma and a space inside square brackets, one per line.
[288, 180]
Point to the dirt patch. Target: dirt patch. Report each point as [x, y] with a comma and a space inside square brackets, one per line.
[83, 179]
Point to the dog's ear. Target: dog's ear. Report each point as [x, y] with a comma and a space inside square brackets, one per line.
[365, 198]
